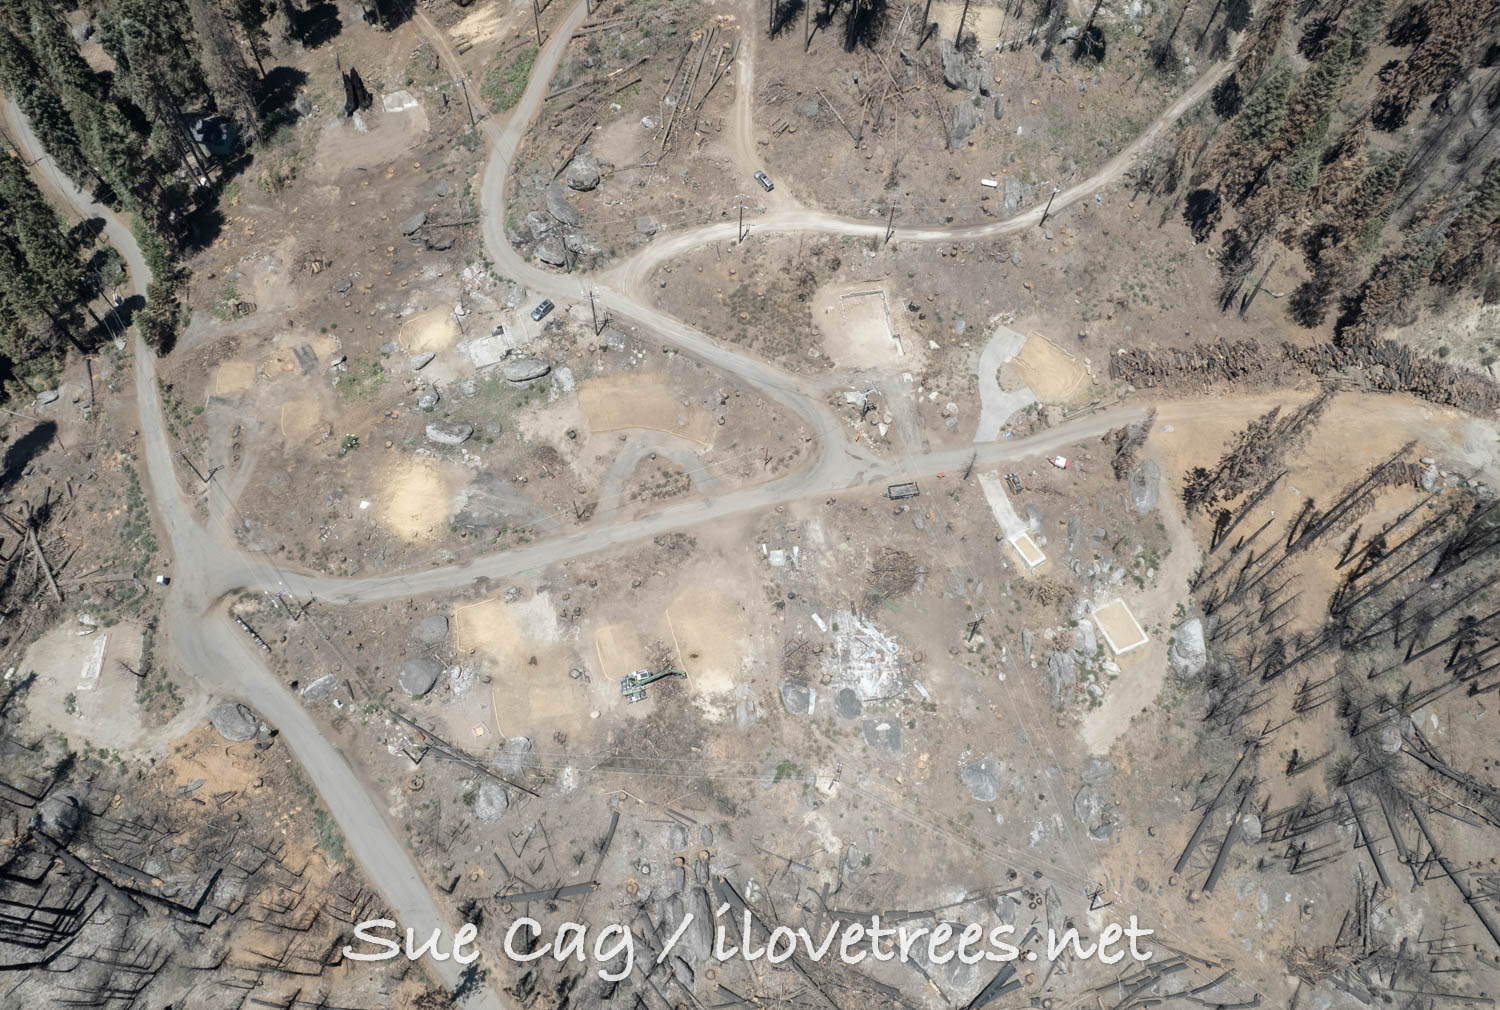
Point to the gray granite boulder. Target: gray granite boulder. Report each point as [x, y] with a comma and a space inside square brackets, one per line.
[430, 630]
[234, 722]
[418, 675]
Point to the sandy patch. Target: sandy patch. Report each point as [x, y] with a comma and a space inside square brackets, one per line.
[1050, 372]
[299, 420]
[856, 325]
[342, 148]
[433, 330]
[1119, 627]
[642, 401]
[985, 22]
[416, 502]
[1029, 551]
[711, 636]
[483, 25]
[521, 645]
[234, 377]
[281, 361]
[619, 650]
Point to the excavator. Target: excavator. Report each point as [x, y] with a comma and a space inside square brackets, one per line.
[633, 684]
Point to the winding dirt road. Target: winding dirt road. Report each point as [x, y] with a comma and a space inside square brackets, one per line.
[208, 566]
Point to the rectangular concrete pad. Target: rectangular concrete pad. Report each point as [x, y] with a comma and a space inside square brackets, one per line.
[1027, 548]
[1119, 627]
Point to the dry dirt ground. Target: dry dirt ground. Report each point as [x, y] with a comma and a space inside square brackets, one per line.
[544, 454]
[1039, 119]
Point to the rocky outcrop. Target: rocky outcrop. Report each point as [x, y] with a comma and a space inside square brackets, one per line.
[583, 173]
[450, 433]
[559, 207]
[525, 370]
[551, 251]
[1189, 653]
[959, 72]
[965, 118]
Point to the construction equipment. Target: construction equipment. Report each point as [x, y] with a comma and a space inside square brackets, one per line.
[633, 684]
[1013, 482]
[896, 492]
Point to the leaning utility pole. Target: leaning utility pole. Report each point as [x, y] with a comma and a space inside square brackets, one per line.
[890, 224]
[468, 106]
[1055, 190]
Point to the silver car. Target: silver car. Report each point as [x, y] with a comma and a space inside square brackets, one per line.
[765, 181]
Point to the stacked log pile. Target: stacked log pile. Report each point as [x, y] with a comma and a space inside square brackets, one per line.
[1382, 365]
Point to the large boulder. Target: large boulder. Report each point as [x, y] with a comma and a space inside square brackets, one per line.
[645, 225]
[538, 224]
[234, 722]
[418, 675]
[1189, 652]
[1013, 195]
[322, 688]
[551, 251]
[883, 734]
[1062, 676]
[430, 630]
[797, 698]
[61, 815]
[414, 224]
[982, 779]
[583, 173]
[515, 755]
[451, 433]
[965, 118]
[847, 704]
[1088, 641]
[526, 370]
[1145, 486]
[1094, 812]
[559, 207]
[490, 803]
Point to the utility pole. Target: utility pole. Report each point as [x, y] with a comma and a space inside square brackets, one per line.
[890, 224]
[189, 462]
[970, 468]
[536, 17]
[468, 107]
[1055, 190]
[594, 312]
[743, 233]
[974, 629]
[959, 37]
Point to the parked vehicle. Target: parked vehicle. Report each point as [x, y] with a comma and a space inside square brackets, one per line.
[541, 310]
[1061, 462]
[765, 181]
